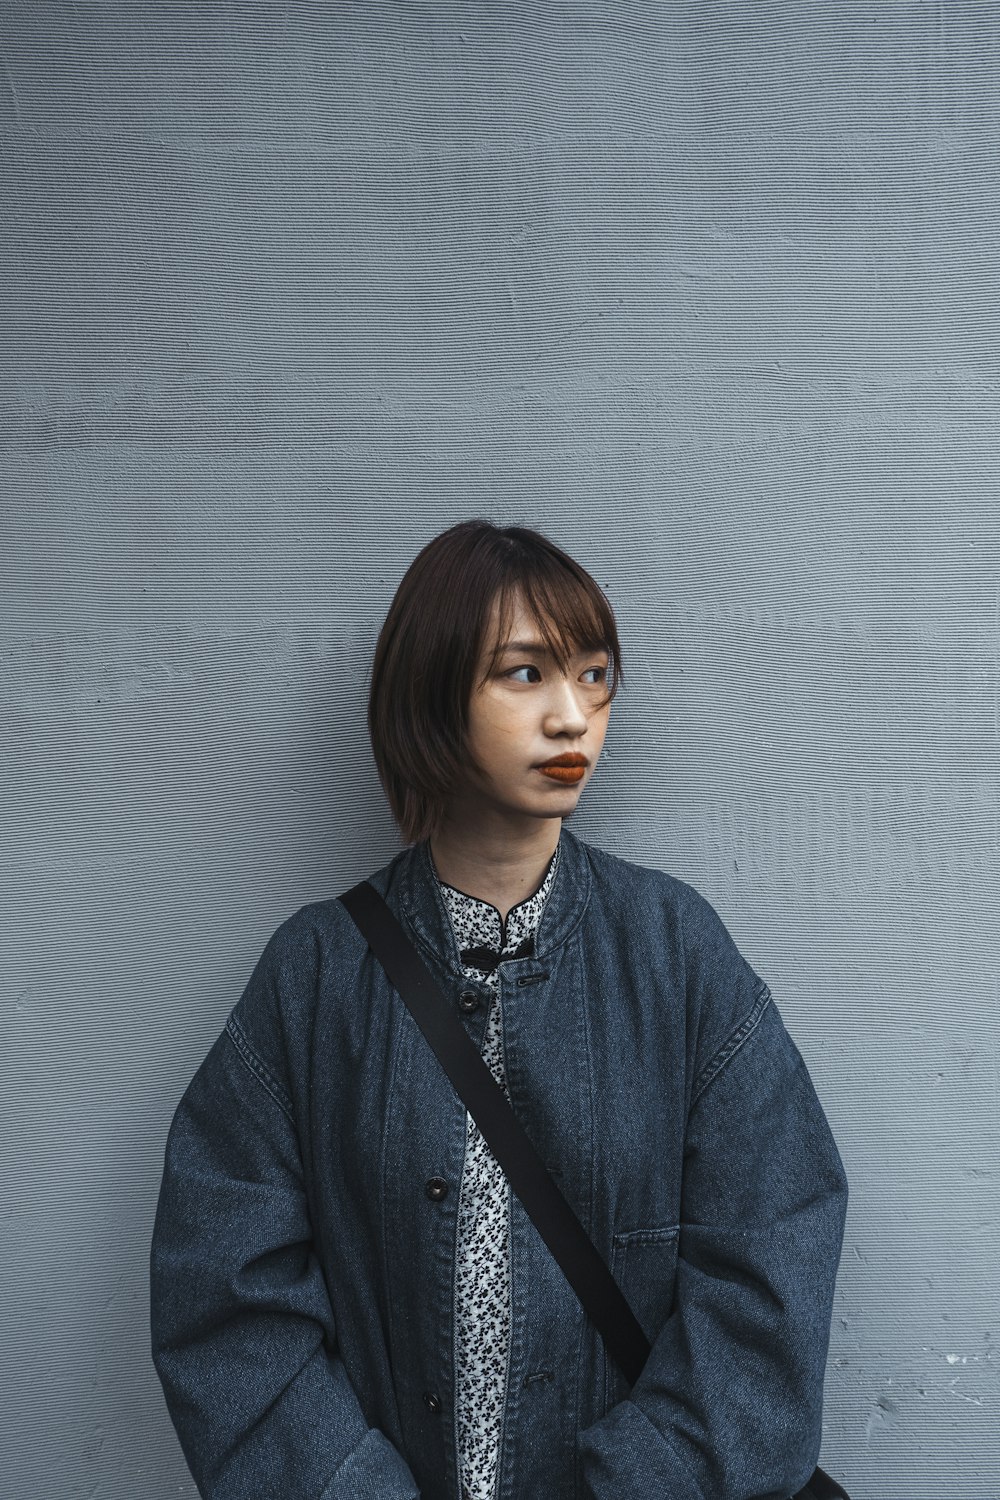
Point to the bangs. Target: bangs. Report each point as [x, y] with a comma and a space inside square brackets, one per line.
[570, 613]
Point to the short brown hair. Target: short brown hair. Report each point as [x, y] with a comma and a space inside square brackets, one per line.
[423, 671]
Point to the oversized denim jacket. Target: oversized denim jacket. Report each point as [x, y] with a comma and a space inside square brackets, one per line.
[304, 1251]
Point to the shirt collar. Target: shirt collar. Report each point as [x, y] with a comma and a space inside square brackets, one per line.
[411, 888]
[483, 935]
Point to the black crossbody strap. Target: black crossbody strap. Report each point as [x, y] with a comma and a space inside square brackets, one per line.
[555, 1220]
[581, 1263]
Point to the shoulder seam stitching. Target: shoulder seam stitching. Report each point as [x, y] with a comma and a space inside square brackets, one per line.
[733, 1042]
[257, 1067]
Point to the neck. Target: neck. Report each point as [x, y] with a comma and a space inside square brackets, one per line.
[496, 866]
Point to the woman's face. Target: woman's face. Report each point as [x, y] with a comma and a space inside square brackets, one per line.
[529, 711]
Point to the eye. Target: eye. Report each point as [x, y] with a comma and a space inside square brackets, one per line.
[530, 667]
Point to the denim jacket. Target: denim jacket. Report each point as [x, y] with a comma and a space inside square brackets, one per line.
[304, 1250]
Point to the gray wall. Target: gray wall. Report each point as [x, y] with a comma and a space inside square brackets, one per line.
[706, 291]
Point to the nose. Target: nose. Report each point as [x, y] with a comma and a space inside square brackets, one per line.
[565, 707]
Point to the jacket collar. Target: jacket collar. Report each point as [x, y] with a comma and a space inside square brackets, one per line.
[410, 887]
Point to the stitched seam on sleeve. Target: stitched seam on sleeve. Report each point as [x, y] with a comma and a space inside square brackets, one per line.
[732, 1044]
[256, 1066]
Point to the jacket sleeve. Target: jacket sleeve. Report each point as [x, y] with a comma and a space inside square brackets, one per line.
[243, 1335]
[729, 1404]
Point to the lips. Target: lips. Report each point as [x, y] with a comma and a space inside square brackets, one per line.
[568, 768]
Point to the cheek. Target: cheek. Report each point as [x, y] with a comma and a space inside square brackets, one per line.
[505, 716]
[494, 727]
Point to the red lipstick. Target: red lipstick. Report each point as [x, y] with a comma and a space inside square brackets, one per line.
[569, 768]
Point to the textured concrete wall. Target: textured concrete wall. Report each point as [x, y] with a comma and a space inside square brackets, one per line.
[708, 291]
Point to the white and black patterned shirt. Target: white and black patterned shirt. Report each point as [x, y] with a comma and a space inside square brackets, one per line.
[483, 1310]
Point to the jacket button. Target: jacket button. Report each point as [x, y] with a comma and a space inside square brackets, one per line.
[432, 1401]
[469, 1000]
[436, 1187]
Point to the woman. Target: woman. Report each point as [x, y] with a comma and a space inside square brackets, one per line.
[347, 1300]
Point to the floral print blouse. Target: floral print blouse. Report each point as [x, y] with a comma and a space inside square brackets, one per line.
[483, 1297]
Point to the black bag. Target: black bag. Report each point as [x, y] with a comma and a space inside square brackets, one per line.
[556, 1222]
